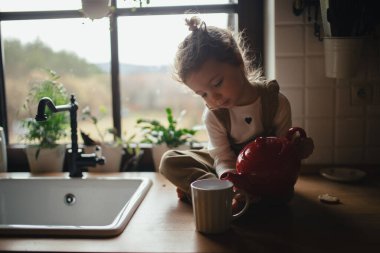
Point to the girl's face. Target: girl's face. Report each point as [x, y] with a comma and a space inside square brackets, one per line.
[220, 84]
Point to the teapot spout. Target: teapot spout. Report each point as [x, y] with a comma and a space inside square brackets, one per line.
[239, 181]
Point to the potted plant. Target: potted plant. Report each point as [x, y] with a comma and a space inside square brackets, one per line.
[165, 137]
[43, 151]
[112, 151]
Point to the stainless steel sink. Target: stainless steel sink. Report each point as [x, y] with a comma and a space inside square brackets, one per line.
[52, 206]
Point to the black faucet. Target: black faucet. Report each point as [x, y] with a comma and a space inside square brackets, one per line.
[78, 160]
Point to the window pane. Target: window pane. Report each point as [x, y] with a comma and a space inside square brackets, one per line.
[154, 3]
[77, 49]
[39, 5]
[147, 46]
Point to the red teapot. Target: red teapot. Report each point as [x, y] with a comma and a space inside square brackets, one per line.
[269, 166]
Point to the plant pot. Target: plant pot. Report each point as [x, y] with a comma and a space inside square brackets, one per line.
[132, 161]
[159, 150]
[342, 56]
[112, 154]
[48, 160]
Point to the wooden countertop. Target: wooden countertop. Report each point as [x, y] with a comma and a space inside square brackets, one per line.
[164, 224]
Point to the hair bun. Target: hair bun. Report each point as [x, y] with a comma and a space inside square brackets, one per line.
[193, 23]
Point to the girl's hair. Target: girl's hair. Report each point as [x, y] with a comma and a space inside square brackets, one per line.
[209, 42]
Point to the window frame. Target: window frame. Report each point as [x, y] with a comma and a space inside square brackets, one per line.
[250, 19]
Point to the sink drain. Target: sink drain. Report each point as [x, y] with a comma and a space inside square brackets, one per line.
[70, 199]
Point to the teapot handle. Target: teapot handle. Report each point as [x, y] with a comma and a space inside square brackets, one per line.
[294, 130]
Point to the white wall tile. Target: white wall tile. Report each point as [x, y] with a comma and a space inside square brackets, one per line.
[290, 71]
[296, 99]
[290, 40]
[373, 110]
[313, 45]
[321, 155]
[348, 156]
[373, 133]
[284, 12]
[321, 131]
[349, 132]
[298, 122]
[341, 82]
[343, 103]
[371, 54]
[319, 102]
[372, 156]
[315, 72]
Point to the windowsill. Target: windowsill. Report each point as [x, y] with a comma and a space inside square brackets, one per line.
[17, 160]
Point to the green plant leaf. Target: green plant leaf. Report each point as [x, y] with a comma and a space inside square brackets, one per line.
[157, 133]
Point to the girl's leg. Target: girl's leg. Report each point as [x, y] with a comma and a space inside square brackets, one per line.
[182, 167]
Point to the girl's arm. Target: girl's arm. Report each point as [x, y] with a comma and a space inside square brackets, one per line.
[219, 146]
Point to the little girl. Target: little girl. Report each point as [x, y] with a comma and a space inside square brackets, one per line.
[241, 105]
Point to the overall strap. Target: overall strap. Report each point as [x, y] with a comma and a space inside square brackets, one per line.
[269, 103]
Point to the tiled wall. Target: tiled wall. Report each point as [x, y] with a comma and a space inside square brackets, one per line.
[343, 133]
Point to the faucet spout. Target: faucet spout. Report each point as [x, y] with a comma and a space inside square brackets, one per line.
[45, 101]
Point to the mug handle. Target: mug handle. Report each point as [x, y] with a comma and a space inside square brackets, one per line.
[247, 202]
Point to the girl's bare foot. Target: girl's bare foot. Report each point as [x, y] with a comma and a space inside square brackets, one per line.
[183, 196]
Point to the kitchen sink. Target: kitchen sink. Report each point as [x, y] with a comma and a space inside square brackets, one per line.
[60, 206]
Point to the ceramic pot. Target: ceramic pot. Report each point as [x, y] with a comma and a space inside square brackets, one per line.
[48, 159]
[159, 150]
[112, 154]
[342, 56]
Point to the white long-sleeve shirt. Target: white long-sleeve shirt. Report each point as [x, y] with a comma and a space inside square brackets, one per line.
[246, 122]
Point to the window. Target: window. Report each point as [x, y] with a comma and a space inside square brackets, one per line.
[147, 47]
[51, 34]
[67, 46]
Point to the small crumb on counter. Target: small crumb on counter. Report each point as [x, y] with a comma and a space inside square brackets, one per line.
[328, 198]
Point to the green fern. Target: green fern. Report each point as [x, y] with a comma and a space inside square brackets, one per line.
[157, 133]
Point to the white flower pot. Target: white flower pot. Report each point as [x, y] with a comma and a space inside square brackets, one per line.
[48, 160]
[342, 56]
[159, 150]
[112, 154]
